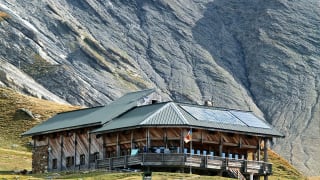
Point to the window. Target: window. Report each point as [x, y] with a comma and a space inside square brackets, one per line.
[94, 157]
[69, 161]
[82, 159]
[41, 138]
[54, 163]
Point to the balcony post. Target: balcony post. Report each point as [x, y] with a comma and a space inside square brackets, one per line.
[125, 161]
[259, 149]
[148, 140]
[266, 140]
[181, 141]
[118, 146]
[221, 145]
[251, 176]
[131, 141]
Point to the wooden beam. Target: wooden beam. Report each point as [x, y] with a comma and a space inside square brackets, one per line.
[48, 164]
[131, 140]
[211, 142]
[181, 141]
[104, 144]
[61, 150]
[75, 150]
[117, 146]
[249, 146]
[221, 145]
[266, 140]
[201, 136]
[259, 149]
[230, 144]
[265, 149]
[165, 137]
[148, 140]
[89, 148]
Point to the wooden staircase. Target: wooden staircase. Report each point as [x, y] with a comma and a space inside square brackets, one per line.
[235, 173]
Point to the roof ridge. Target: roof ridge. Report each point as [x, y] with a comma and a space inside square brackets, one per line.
[213, 107]
[179, 113]
[169, 104]
[154, 114]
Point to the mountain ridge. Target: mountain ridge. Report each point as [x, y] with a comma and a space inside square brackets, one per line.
[250, 55]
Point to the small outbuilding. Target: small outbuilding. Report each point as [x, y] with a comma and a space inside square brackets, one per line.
[139, 132]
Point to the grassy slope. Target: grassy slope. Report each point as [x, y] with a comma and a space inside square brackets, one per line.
[13, 124]
[282, 169]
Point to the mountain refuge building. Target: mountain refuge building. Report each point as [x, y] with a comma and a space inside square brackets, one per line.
[137, 131]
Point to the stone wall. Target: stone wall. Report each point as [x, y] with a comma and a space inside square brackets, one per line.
[40, 159]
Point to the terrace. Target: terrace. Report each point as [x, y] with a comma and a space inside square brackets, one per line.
[186, 161]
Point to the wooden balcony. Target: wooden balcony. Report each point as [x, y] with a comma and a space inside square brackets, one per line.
[185, 161]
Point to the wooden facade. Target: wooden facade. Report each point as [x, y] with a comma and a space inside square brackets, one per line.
[79, 150]
[134, 132]
[66, 151]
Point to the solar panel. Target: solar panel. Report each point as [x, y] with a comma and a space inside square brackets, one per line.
[219, 116]
[250, 119]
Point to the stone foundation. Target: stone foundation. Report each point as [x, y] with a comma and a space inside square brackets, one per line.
[40, 159]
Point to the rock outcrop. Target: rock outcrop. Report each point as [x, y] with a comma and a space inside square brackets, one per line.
[247, 54]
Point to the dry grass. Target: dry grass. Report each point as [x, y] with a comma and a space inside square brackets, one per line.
[314, 178]
[282, 169]
[9, 159]
[3, 16]
[12, 124]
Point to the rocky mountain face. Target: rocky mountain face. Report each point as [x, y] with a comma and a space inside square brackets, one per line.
[254, 55]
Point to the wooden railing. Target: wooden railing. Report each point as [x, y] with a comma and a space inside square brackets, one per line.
[185, 160]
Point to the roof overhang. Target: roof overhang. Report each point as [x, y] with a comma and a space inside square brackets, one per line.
[61, 129]
[186, 126]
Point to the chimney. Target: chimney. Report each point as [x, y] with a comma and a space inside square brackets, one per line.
[208, 103]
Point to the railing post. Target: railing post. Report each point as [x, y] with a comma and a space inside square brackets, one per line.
[125, 162]
[226, 163]
[110, 164]
[245, 164]
[205, 161]
[142, 158]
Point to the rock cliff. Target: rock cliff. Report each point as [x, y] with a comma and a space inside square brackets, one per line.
[246, 54]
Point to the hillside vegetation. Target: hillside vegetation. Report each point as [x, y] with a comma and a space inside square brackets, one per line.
[13, 122]
[14, 117]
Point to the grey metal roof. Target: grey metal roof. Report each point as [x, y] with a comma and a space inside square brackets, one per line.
[131, 118]
[172, 114]
[163, 114]
[124, 113]
[91, 116]
[167, 115]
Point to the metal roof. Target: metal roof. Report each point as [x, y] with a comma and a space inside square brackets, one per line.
[123, 113]
[160, 114]
[173, 114]
[227, 126]
[91, 116]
